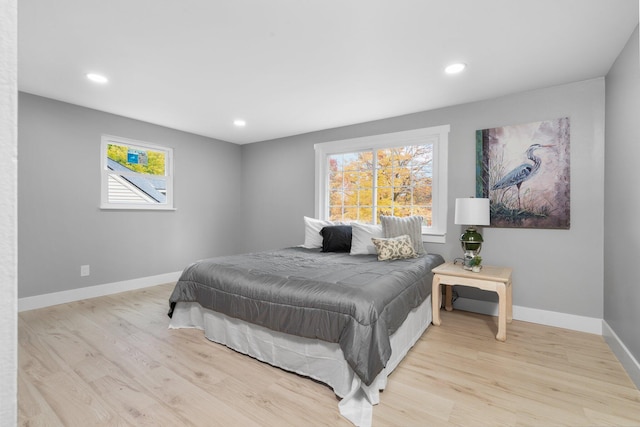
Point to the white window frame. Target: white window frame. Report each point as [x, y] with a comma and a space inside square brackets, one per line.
[105, 172]
[436, 135]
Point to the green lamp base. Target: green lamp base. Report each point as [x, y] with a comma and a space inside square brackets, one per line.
[471, 242]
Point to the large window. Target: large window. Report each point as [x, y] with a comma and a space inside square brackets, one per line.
[401, 174]
[135, 175]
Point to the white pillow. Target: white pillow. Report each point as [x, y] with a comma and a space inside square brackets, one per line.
[312, 227]
[361, 235]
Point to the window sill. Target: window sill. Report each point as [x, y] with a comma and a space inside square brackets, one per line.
[135, 208]
[434, 238]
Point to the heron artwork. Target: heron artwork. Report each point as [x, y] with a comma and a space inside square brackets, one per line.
[521, 173]
[544, 202]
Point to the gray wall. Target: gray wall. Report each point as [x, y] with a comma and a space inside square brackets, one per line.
[621, 226]
[60, 224]
[556, 270]
[234, 199]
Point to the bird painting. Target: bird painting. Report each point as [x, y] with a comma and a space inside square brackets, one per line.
[521, 173]
[536, 193]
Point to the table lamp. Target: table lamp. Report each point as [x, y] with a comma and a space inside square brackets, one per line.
[471, 212]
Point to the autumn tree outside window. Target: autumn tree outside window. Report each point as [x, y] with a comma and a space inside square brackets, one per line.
[401, 174]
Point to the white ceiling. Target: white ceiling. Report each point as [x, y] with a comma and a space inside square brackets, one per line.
[295, 66]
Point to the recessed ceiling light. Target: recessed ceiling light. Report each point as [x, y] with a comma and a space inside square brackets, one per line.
[97, 78]
[455, 68]
[239, 123]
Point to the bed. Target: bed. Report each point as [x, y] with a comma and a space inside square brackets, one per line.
[345, 320]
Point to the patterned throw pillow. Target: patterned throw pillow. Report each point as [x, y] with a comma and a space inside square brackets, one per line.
[394, 248]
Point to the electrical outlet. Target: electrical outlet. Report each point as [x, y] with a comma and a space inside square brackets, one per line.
[84, 270]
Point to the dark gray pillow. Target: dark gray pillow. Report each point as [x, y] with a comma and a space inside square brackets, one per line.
[336, 238]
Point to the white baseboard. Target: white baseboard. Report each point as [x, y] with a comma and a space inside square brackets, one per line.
[62, 297]
[534, 315]
[630, 364]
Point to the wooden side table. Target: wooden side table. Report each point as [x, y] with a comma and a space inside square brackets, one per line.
[496, 279]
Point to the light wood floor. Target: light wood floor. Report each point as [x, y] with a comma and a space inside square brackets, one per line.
[112, 361]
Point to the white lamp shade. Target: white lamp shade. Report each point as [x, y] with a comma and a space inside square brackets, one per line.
[472, 211]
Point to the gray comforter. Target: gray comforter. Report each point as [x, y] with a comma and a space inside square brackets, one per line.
[356, 301]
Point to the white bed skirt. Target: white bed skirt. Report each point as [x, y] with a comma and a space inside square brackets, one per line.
[317, 359]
